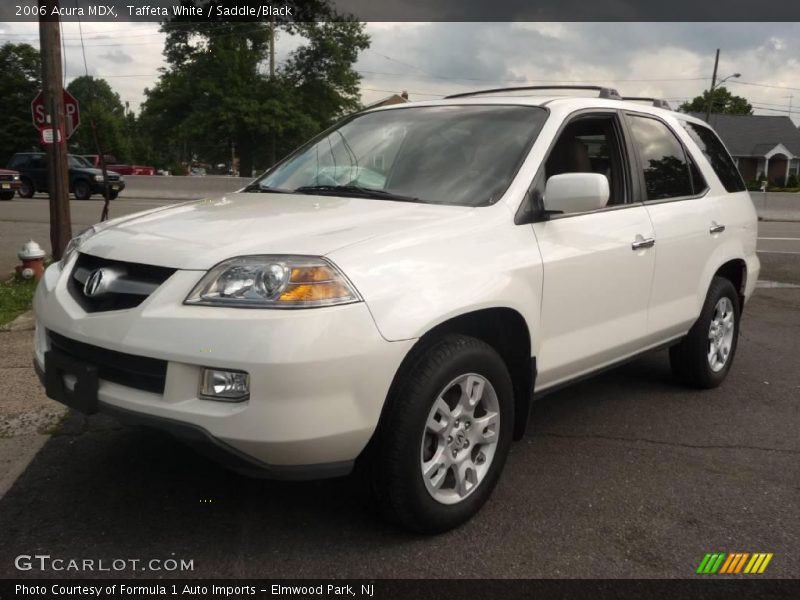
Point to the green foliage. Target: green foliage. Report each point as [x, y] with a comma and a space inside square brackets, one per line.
[21, 68]
[792, 181]
[723, 102]
[101, 105]
[16, 297]
[216, 94]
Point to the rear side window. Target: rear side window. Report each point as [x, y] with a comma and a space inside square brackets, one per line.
[17, 162]
[717, 155]
[663, 161]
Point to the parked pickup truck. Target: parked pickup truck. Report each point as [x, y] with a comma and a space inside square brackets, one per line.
[122, 169]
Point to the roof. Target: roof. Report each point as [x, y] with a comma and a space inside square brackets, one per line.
[755, 135]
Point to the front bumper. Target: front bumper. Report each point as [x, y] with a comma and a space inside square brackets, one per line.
[318, 377]
[113, 186]
[10, 186]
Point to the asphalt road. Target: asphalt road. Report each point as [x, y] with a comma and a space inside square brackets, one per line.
[627, 474]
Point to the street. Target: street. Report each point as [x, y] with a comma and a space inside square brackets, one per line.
[626, 474]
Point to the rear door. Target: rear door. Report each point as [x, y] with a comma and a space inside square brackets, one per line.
[37, 167]
[598, 266]
[680, 206]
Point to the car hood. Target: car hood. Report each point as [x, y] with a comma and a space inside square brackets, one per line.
[202, 233]
[92, 171]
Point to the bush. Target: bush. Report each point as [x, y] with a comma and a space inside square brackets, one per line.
[792, 182]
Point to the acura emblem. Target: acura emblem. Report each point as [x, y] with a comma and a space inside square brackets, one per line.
[96, 284]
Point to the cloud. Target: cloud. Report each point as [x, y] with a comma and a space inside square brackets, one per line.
[117, 56]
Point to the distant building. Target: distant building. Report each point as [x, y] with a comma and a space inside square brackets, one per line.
[400, 98]
[760, 145]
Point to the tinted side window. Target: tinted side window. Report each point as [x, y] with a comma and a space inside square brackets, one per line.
[717, 155]
[17, 162]
[699, 184]
[666, 173]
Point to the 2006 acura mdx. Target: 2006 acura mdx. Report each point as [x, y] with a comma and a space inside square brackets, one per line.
[397, 290]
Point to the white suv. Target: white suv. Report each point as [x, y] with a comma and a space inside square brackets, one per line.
[394, 293]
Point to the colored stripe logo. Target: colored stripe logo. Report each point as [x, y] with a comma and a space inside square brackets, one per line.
[734, 563]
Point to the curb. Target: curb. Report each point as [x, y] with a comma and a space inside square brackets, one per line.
[25, 322]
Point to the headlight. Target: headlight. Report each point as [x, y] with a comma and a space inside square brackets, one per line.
[16, 177]
[274, 281]
[75, 243]
[98, 178]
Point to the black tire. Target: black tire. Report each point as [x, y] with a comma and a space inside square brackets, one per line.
[82, 190]
[395, 467]
[7, 195]
[690, 358]
[26, 188]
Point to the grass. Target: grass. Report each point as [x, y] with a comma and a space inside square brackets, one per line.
[16, 296]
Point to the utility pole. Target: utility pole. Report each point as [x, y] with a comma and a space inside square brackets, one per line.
[272, 151]
[711, 91]
[52, 84]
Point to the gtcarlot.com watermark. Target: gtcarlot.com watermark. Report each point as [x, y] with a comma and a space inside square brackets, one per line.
[45, 562]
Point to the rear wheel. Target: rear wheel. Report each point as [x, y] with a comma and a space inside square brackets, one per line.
[26, 189]
[445, 437]
[705, 355]
[82, 190]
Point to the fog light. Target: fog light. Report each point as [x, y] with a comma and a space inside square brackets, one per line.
[227, 386]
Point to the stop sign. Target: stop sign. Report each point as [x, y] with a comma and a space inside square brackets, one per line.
[71, 112]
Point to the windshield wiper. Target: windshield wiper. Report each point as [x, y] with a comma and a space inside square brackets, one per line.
[353, 190]
[255, 187]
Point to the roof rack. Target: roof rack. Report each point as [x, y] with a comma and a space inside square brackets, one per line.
[604, 92]
[657, 102]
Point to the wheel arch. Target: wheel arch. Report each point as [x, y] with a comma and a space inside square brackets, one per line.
[502, 328]
[735, 271]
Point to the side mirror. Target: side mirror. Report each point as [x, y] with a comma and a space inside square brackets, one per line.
[576, 192]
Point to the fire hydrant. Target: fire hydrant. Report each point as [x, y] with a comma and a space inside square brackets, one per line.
[32, 257]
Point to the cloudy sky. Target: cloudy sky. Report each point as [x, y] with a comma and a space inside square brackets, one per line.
[429, 60]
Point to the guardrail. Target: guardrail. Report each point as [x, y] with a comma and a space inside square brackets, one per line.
[777, 206]
[181, 188]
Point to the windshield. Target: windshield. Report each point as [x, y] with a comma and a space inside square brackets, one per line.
[464, 155]
[78, 162]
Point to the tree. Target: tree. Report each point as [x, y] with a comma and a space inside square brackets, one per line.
[723, 102]
[21, 67]
[101, 104]
[216, 93]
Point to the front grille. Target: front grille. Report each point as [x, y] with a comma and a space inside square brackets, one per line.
[6, 177]
[127, 284]
[139, 372]
[113, 177]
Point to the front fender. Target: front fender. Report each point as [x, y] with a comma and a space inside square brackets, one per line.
[413, 281]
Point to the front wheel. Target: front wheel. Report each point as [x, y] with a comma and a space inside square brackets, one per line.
[82, 190]
[26, 188]
[446, 434]
[704, 357]
[7, 195]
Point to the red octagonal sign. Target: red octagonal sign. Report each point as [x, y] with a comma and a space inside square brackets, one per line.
[71, 111]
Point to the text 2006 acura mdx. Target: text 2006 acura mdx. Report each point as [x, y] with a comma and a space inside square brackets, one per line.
[397, 290]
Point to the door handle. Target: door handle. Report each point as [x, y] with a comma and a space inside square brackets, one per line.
[643, 243]
[716, 228]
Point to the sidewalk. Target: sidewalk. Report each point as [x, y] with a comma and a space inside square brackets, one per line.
[26, 414]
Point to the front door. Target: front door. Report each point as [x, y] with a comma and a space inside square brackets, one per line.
[598, 266]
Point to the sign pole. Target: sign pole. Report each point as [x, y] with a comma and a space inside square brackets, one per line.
[52, 83]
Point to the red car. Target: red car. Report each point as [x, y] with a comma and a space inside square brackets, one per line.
[122, 169]
[9, 184]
